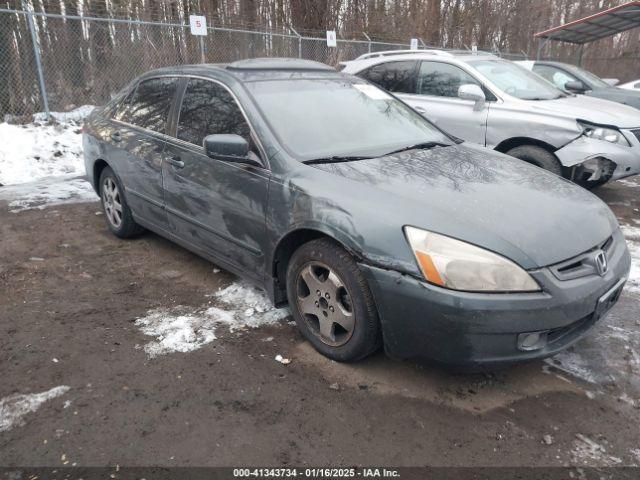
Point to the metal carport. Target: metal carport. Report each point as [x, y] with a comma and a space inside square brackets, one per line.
[594, 27]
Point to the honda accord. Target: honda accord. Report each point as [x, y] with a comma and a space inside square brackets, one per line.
[373, 225]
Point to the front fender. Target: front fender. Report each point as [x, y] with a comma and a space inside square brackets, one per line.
[521, 120]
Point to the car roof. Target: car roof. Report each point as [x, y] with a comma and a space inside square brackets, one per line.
[401, 55]
[250, 69]
[553, 63]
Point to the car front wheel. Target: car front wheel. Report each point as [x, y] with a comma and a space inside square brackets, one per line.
[331, 302]
[538, 156]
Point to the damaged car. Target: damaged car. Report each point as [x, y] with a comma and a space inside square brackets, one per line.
[374, 226]
[496, 103]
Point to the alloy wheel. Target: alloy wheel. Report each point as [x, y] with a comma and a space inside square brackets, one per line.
[325, 304]
[112, 202]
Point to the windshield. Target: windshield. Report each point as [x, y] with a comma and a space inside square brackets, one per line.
[322, 118]
[591, 79]
[516, 81]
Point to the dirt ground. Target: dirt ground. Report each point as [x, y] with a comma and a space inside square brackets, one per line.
[70, 293]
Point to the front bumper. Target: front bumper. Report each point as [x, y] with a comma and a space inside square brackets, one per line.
[597, 160]
[425, 322]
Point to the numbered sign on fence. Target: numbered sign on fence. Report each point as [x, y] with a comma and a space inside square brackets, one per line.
[198, 25]
[414, 44]
[331, 38]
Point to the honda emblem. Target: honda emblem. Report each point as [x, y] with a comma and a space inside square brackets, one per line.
[601, 263]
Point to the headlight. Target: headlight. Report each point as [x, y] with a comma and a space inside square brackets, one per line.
[602, 133]
[457, 265]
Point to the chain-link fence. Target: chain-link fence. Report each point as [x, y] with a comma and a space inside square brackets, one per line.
[57, 62]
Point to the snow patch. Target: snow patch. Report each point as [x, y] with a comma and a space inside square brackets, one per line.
[628, 183]
[48, 192]
[176, 332]
[31, 152]
[632, 235]
[76, 115]
[14, 407]
[251, 307]
[40, 163]
[185, 329]
[589, 452]
[572, 363]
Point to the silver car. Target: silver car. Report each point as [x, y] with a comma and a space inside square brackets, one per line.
[494, 102]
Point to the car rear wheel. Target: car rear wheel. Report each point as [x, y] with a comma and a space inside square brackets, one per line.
[537, 156]
[115, 208]
[331, 302]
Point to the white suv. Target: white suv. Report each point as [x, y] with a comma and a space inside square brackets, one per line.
[494, 102]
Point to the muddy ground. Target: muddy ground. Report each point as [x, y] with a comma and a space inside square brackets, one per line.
[70, 293]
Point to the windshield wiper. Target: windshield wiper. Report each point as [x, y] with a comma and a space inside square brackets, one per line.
[419, 146]
[336, 159]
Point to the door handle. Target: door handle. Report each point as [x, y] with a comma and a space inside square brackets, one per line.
[116, 137]
[176, 162]
[420, 109]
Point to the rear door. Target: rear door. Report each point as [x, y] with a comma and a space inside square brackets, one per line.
[137, 141]
[436, 97]
[215, 206]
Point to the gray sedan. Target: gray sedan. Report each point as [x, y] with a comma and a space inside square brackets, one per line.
[372, 224]
[578, 80]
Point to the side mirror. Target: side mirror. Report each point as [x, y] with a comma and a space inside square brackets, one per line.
[611, 81]
[472, 92]
[575, 86]
[228, 147]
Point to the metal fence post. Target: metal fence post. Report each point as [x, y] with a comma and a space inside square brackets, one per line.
[368, 40]
[202, 57]
[299, 41]
[36, 52]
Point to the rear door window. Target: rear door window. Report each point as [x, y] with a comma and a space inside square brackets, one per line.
[442, 79]
[207, 109]
[398, 77]
[148, 106]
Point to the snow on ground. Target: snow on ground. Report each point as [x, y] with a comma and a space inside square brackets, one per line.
[14, 407]
[571, 362]
[48, 192]
[185, 329]
[76, 115]
[632, 235]
[40, 163]
[588, 452]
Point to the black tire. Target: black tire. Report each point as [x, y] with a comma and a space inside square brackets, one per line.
[127, 227]
[537, 156]
[353, 298]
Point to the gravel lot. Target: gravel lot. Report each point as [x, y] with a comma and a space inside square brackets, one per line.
[137, 353]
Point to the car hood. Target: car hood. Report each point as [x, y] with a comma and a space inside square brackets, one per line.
[474, 194]
[620, 95]
[591, 109]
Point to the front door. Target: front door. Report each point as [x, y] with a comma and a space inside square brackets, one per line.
[436, 98]
[215, 206]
